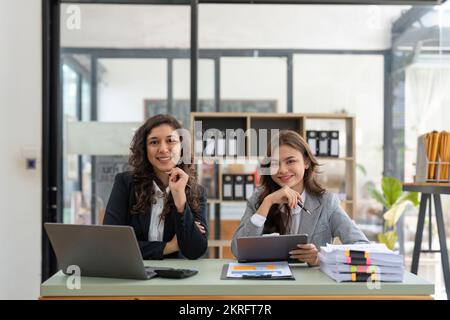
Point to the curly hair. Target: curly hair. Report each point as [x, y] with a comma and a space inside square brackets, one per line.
[278, 218]
[144, 174]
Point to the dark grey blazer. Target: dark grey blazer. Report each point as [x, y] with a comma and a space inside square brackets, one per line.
[327, 220]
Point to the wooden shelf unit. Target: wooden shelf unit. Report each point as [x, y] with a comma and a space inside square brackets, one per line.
[298, 122]
[294, 121]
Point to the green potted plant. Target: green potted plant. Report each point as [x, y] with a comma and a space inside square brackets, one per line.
[394, 202]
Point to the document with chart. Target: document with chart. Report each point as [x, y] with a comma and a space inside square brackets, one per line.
[274, 270]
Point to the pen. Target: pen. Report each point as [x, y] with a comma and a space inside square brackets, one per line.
[303, 207]
[264, 276]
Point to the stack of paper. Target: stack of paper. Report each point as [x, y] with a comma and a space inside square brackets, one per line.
[361, 262]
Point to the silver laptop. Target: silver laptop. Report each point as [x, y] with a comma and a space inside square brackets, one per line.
[268, 247]
[99, 251]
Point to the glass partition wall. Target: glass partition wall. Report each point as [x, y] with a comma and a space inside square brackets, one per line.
[307, 59]
[133, 59]
[419, 100]
[386, 66]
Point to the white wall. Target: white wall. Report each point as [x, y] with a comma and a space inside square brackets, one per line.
[225, 26]
[126, 83]
[182, 79]
[255, 78]
[126, 26]
[354, 83]
[20, 129]
[426, 106]
[296, 26]
[232, 26]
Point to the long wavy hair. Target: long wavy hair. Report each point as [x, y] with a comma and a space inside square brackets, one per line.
[144, 173]
[279, 216]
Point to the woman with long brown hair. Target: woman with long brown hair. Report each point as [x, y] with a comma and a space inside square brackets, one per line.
[290, 200]
[160, 198]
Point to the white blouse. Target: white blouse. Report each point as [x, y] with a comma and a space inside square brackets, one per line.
[156, 230]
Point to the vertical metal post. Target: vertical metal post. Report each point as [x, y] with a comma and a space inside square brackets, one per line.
[290, 83]
[94, 116]
[194, 54]
[170, 86]
[389, 151]
[79, 118]
[217, 84]
[51, 130]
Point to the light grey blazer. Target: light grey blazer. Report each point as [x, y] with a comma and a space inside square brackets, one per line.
[327, 220]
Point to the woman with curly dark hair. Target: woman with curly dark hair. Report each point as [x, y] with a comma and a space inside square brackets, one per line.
[160, 198]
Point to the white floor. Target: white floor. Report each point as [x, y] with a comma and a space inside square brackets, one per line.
[430, 268]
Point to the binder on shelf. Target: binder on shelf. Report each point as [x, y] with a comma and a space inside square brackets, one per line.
[198, 143]
[334, 143]
[312, 139]
[249, 185]
[220, 151]
[239, 187]
[207, 178]
[227, 185]
[324, 142]
[232, 147]
[210, 147]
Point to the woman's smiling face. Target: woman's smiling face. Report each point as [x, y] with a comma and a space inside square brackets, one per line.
[163, 148]
[288, 167]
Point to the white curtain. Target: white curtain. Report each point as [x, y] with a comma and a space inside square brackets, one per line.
[427, 97]
[426, 89]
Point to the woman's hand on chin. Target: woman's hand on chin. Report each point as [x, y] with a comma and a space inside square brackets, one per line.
[178, 180]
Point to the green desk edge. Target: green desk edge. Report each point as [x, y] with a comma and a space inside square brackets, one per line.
[308, 282]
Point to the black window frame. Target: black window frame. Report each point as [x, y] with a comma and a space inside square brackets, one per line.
[51, 97]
